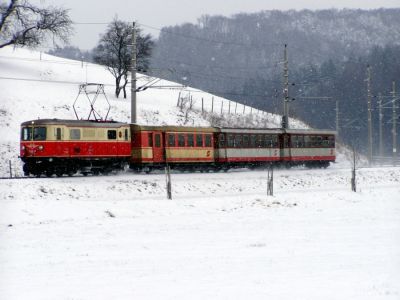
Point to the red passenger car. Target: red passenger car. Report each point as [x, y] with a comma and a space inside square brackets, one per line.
[180, 147]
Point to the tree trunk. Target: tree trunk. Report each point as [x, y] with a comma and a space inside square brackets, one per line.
[117, 87]
[124, 86]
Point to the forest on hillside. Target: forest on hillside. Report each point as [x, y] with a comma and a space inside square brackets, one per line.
[240, 57]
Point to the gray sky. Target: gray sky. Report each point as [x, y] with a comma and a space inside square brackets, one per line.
[159, 13]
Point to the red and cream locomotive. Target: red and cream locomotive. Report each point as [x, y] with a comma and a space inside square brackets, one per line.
[54, 146]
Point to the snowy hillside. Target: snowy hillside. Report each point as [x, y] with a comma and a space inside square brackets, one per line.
[35, 85]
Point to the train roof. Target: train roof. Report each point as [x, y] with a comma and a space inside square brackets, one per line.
[311, 131]
[74, 123]
[251, 130]
[173, 128]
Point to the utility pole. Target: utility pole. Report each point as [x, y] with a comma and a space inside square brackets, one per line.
[285, 117]
[380, 125]
[394, 123]
[369, 115]
[133, 76]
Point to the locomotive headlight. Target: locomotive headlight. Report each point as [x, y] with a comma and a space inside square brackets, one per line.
[41, 147]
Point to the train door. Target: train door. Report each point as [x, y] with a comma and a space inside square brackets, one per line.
[220, 147]
[158, 151]
[284, 145]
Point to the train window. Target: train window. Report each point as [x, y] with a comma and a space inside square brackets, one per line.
[300, 141]
[208, 140]
[238, 141]
[245, 140]
[126, 135]
[331, 141]
[39, 133]
[261, 139]
[26, 134]
[230, 140]
[319, 141]
[199, 140]
[221, 140]
[58, 134]
[181, 140]
[252, 141]
[112, 134]
[190, 140]
[275, 141]
[286, 141]
[294, 141]
[268, 141]
[75, 134]
[313, 142]
[158, 140]
[150, 139]
[307, 141]
[171, 140]
[325, 141]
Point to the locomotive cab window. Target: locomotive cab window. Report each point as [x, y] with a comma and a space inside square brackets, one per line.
[112, 134]
[39, 133]
[26, 134]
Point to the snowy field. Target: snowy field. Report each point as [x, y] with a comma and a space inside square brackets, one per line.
[221, 237]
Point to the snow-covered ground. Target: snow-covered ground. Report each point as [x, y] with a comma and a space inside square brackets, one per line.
[221, 237]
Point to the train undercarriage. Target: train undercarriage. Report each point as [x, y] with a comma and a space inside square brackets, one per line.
[85, 166]
[68, 166]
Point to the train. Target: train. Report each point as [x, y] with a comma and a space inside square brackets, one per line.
[66, 147]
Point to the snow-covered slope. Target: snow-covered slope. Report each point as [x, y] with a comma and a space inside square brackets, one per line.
[37, 85]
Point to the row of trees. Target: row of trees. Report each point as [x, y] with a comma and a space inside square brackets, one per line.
[24, 24]
[317, 87]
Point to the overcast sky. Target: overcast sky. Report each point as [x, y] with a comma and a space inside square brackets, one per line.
[160, 13]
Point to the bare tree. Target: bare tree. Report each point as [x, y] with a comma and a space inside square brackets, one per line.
[24, 24]
[113, 51]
